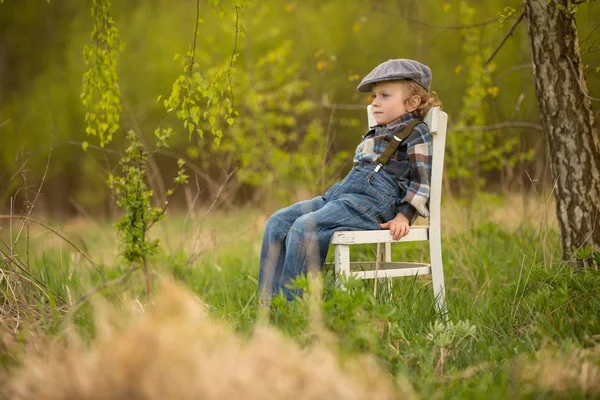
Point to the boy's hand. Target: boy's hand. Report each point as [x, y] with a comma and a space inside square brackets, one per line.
[398, 227]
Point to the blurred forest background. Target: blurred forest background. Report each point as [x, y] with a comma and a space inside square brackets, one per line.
[300, 116]
[264, 111]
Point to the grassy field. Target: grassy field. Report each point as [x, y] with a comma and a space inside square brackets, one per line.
[521, 322]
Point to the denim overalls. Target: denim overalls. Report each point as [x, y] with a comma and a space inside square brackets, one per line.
[296, 238]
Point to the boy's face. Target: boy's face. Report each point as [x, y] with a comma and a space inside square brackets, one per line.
[388, 101]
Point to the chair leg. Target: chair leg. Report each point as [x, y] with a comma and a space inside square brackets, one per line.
[437, 275]
[388, 252]
[342, 262]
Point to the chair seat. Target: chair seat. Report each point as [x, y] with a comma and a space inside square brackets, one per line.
[416, 233]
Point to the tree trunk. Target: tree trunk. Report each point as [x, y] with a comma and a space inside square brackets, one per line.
[568, 121]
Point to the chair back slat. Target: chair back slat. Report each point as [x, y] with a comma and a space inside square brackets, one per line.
[437, 122]
[370, 116]
[438, 127]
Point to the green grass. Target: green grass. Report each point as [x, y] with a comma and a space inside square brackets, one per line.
[510, 302]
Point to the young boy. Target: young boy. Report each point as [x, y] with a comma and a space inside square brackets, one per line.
[371, 196]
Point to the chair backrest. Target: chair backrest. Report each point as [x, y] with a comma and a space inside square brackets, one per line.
[437, 122]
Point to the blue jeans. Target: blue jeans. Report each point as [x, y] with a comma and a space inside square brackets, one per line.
[296, 238]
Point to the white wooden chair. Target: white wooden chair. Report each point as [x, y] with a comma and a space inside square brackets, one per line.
[437, 122]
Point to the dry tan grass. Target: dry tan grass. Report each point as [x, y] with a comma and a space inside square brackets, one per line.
[509, 212]
[211, 232]
[174, 350]
[562, 372]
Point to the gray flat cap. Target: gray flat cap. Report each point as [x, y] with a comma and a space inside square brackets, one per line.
[392, 70]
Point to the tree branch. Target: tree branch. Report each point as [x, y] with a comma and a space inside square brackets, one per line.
[581, 86]
[233, 54]
[193, 50]
[587, 37]
[505, 38]
[325, 103]
[451, 27]
[501, 125]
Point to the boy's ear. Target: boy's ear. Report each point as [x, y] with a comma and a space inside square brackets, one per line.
[413, 103]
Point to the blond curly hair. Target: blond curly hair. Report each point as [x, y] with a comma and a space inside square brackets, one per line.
[428, 99]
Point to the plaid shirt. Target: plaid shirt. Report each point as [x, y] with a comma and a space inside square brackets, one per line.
[410, 165]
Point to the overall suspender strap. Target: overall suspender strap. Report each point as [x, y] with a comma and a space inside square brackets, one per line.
[391, 148]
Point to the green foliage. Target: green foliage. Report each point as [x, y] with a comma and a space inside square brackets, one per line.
[273, 137]
[277, 143]
[191, 88]
[474, 153]
[101, 94]
[465, 152]
[40, 91]
[194, 96]
[507, 13]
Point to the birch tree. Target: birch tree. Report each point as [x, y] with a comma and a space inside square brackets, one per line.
[568, 121]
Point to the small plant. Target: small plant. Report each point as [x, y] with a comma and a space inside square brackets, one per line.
[587, 255]
[135, 198]
[101, 97]
[447, 338]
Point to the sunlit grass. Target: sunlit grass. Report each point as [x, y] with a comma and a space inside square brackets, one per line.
[516, 312]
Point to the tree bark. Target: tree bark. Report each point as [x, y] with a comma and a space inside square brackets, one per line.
[568, 121]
